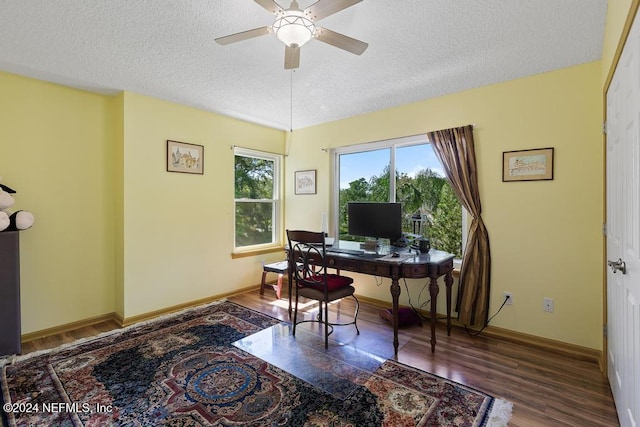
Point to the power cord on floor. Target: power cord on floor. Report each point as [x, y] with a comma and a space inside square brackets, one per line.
[424, 305]
[421, 306]
[476, 333]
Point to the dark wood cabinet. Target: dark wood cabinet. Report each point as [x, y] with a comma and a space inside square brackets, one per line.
[10, 331]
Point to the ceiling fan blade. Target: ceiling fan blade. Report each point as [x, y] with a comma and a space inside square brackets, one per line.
[341, 41]
[238, 37]
[291, 57]
[270, 6]
[323, 8]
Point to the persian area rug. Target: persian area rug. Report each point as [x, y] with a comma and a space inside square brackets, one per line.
[183, 370]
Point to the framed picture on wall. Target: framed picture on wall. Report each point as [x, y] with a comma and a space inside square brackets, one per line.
[305, 182]
[185, 158]
[527, 165]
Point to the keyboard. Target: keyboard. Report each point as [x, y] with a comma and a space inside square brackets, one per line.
[356, 252]
[346, 251]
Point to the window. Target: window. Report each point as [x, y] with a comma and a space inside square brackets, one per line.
[256, 198]
[429, 205]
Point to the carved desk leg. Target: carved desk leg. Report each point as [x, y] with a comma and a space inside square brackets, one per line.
[290, 284]
[448, 280]
[433, 290]
[395, 293]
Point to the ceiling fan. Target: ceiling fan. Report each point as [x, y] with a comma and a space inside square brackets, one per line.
[294, 27]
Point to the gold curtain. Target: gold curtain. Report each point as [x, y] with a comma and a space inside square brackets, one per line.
[455, 149]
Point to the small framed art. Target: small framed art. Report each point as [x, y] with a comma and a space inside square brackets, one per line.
[185, 158]
[305, 182]
[527, 165]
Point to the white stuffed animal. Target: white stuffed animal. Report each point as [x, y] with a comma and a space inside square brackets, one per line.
[19, 220]
[5, 201]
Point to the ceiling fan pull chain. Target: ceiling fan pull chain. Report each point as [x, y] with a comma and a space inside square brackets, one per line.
[291, 104]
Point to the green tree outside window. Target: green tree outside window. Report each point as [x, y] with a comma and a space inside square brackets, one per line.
[255, 198]
[425, 195]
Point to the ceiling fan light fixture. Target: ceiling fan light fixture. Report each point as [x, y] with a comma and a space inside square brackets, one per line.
[294, 29]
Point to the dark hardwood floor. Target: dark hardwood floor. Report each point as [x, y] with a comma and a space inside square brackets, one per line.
[546, 389]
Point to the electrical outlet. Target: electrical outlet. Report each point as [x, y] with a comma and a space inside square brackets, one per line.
[509, 297]
[547, 305]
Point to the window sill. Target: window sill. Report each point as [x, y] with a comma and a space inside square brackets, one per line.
[457, 264]
[255, 252]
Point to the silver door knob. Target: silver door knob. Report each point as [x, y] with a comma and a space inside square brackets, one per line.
[618, 265]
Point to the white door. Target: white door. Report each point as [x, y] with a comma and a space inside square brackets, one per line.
[623, 231]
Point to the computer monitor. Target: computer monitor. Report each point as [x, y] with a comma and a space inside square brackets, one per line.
[374, 219]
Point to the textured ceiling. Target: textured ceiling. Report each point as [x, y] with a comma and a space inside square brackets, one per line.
[418, 49]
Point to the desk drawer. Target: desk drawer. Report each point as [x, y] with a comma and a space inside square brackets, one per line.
[415, 271]
[360, 266]
[425, 270]
[381, 270]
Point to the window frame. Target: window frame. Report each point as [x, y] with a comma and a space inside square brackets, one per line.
[276, 231]
[392, 144]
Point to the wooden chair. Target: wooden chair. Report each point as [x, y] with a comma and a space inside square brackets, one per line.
[307, 262]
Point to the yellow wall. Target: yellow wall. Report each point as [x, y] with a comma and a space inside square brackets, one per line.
[117, 128]
[545, 235]
[56, 152]
[178, 228]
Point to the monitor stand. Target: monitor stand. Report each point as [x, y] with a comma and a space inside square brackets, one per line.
[370, 245]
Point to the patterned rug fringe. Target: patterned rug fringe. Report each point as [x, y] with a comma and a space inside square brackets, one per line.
[500, 413]
[9, 360]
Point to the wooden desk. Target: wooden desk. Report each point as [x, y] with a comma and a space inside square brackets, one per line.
[408, 265]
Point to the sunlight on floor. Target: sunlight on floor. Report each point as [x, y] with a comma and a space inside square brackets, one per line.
[282, 303]
[304, 307]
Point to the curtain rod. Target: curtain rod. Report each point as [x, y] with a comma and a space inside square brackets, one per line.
[326, 149]
[418, 135]
[256, 149]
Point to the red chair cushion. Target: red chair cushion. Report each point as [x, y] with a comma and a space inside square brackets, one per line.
[334, 281]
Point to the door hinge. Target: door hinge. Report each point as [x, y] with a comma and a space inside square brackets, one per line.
[604, 127]
[604, 228]
[604, 331]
